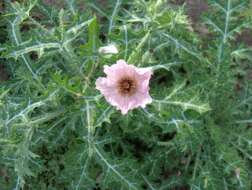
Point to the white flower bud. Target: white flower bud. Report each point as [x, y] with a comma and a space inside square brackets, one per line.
[109, 49]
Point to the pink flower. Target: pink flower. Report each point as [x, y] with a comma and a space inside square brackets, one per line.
[126, 87]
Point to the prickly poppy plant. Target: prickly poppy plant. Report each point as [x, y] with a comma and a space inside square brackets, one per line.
[125, 94]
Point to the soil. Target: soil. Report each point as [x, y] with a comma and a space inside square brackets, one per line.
[56, 3]
[245, 37]
[3, 74]
[195, 8]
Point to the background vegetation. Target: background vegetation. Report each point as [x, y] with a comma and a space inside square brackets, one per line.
[58, 133]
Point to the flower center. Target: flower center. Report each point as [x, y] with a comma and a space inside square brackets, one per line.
[127, 86]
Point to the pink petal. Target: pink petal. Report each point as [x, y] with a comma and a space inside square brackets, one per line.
[116, 71]
[106, 87]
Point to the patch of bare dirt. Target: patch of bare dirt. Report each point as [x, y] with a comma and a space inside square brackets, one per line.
[3, 74]
[103, 2]
[194, 8]
[4, 175]
[249, 74]
[1, 6]
[245, 37]
[55, 3]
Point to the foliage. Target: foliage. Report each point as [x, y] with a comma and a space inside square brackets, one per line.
[58, 132]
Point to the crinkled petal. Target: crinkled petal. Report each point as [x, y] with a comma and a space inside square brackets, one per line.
[120, 66]
[106, 87]
[116, 71]
[121, 103]
[130, 103]
[111, 95]
[141, 99]
[144, 75]
[121, 62]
